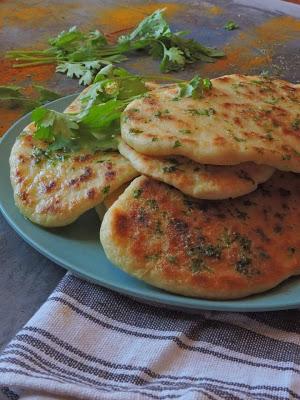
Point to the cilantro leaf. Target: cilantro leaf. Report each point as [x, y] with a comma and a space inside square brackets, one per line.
[102, 115]
[152, 27]
[14, 97]
[11, 91]
[111, 82]
[65, 38]
[231, 25]
[173, 59]
[86, 70]
[51, 124]
[195, 87]
[45, 94]
[71, 69]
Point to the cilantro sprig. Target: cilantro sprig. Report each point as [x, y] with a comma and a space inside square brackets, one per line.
[12, 96]
[81, 55]
[97, 125]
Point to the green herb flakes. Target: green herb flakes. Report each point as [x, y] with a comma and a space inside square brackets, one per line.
[185, 131]
[296, 124]
[177, 144]
[152, 204]
[231, 25]
[137, 193]
[106, 189]
[172, 259]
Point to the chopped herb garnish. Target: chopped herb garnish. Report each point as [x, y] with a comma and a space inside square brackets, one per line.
[198, 265]
[238, 139]
[152, 257]
[38, 154]
[154, 139]
[135, 131]
[237, 86]
[226, 238]
[269, 136]
[231, 25]
[206, 111]
[286, 157]
[137, 193]
[159, 114]
[271, 101]
[243, 265]
[152, 204]
[257, 82]
[158, 228]
[296, 124]
[196, 87]
[205, 250]
[172, 259]
[297, 153]
[177, 144]
[185, 131]
[106, 189]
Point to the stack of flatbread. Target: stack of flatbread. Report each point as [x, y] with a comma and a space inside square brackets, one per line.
[213, 209]
[215, 213]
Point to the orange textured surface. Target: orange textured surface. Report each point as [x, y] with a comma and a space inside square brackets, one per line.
[243, 52]
[122, 17]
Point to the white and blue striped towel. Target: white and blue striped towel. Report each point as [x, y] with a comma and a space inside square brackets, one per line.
[87, 342]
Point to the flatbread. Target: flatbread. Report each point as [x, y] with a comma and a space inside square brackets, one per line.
[211, 249]
[109, 201]
[199, 180]
[55, 193]
[241, 119]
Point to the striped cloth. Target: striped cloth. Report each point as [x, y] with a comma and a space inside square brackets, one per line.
[87, 342]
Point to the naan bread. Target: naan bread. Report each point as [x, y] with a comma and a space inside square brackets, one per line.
[56, 193]
[241, 119]
[109, 201]
[199, 180]
[211, 249]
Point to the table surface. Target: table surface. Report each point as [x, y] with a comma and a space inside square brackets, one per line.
[267, 39]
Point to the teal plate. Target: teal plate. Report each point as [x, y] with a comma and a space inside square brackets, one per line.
[77, 248]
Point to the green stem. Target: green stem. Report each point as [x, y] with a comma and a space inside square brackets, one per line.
[33, 64]
[52, 59]
[16, 53]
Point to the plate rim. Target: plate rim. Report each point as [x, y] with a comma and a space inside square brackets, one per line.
[176, 301]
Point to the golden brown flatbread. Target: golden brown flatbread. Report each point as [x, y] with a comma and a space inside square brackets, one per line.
[242, 118]
[211, 249]
[56, 192]
[202, 181]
